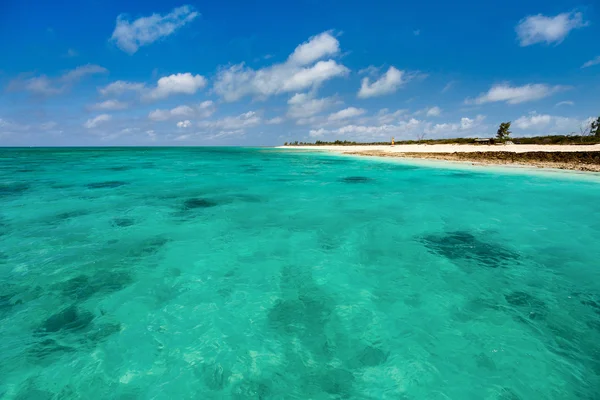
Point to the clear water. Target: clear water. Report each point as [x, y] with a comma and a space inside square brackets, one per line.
[257, 274]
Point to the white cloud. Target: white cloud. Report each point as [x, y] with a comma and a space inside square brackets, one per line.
[384, 116]
[315, 48]
[346, 113]
[244, 120]
[202, 110]
[448, 86]
[516, 94]
[565, 103]
[49, 86]
[71, 53]
[409, 128]
[295, 74]
[183, 83]
[304, 105]
[451, 129]
[109, 105]
[275, 121]
[129, 36]
[371, 131]
[540, 28]
[592, 62]
[434, 112]
[388, 83]
[184, 124]
[119, 87]
[48, 125]
[94, 122]
[550, 124]
[78, 73]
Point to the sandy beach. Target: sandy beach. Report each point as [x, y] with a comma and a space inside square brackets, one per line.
[573, 157]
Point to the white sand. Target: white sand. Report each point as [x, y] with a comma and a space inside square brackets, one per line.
[449, 148]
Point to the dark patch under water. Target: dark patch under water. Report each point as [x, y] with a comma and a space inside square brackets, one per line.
[83, 287]
[70, 214]
[14, 189]
[120, 168]
[533, 307]
[123, 222]
[464, 245]
[148, 246]
[70, 319]
[195, 203]
[357, 179]
[106, 185]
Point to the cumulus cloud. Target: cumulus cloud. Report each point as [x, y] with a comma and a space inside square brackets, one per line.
[202, 110]
[304, 105]
[302, 70]
[516, 94]
[183, 83]
[314, 49]
[43, 85]
[94, 122]
[592, 62]
[542, 29]
[109, 105]
[184, 124]
[346, 113]
[119, 87]
[129, 36]
[388, 83]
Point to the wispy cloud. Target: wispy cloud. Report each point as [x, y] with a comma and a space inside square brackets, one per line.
[129, 36]
[516, 94]
[44, 85]
[542, 29]
[592, 62]
[304, 105]
[448, 86]
[109, 105]
[94, 122]
[119, 87]
[202, 110]
[565, 103]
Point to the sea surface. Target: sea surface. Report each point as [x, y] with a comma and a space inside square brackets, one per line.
[224, 273]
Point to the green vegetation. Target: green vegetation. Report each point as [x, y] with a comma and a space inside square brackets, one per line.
[503, 131]
[595, 127]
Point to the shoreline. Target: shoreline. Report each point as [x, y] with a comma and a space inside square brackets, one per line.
[583, 158]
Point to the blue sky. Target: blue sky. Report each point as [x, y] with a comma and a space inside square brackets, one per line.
[261, 73]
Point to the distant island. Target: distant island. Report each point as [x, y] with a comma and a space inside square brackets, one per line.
[575, 152]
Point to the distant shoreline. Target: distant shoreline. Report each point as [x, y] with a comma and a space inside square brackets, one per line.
[568, 157]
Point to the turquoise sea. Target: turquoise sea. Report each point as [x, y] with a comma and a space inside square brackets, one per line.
[231, 273]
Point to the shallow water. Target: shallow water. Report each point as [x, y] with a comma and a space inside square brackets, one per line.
[248, 273]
